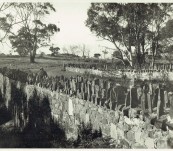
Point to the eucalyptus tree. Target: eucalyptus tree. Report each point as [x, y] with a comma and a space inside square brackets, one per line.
[127, 26]
[160, 17]
[7, 20]
[32, 33]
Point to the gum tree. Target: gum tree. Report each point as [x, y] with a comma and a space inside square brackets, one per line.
[32, 33]
[127, 26]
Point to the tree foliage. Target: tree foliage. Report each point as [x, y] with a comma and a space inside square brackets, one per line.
[6, 20]
[33, 32]
[129, 25]
[166, 38]
[54, 50]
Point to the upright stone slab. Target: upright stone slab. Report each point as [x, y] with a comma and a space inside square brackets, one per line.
[150, 88]
[85, 90]
[150, 143]
[132, 82]
[113, 98]
[138, 135]
[161, 144]
[130, 136]
[165, 99]
[149, 103]
[74, 85]
[103, 97]
[139, 93]
[71, 83]
[132, 99]
[127, 102]
[120, 133]
[82, 89]
[105, 84]
[79, 86]
[89, 90]
[171, 105]
[108, 93]
[82, 79]
[109, 84]
[101, 84]
[8, 92]
[70, 107]
[54, 85]
[126, 96]
[134, 102]
[62, 78]
[66, 87]
[98, 94]
[86, 85]
[146, 91]
[1, 85]
[113, 131]
[97, 81]
[87, 118]
[155, 97]
[93, 87]
[120, 91]
[160, 103]
[143, 102]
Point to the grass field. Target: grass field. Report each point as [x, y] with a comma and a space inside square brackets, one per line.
[53, 65]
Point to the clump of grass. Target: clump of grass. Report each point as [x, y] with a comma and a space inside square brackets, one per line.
[86, 135]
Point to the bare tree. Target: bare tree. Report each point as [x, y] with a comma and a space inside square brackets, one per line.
[74, 49]
[85, 51]
[88, 53]
[65, 50]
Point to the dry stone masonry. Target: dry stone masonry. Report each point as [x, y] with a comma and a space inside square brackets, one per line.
[158, 72]
[140, 115]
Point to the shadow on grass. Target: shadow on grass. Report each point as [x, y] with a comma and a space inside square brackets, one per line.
[40, 130]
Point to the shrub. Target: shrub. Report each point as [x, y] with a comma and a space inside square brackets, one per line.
[86, 134]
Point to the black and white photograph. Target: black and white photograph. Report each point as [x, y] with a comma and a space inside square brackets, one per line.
[86, 74]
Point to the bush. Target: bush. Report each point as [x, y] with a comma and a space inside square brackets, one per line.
[42, 55]
[86, 135]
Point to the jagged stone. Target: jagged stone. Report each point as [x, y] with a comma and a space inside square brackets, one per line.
[120, 132]
[161, 144]
[104, 121]
[113, 131]
[130, 136]
[138, 146]
[150, 143]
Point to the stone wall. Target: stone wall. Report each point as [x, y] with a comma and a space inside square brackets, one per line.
[142, 74]
[123, 121]
[113, 66]
[70, 112]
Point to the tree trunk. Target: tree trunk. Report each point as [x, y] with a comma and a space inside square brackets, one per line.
[32, 59]
[143, 48]
[32, 56]
[138, 54]
[153, 51]
[153, 60]
[130, 50]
